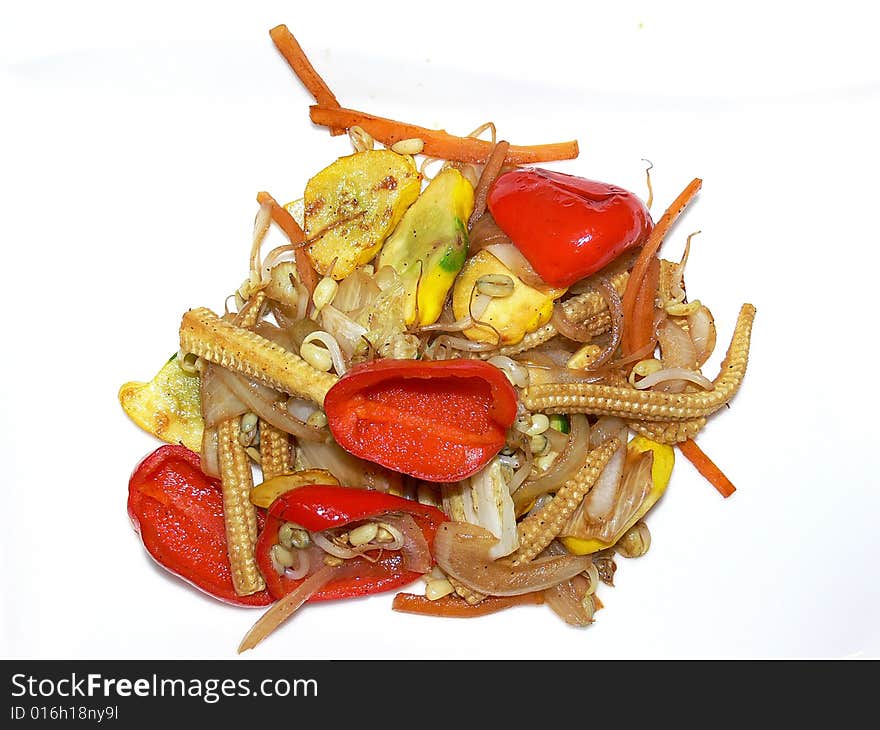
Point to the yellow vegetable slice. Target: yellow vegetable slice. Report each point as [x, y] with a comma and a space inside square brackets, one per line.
[523, 311]
[169, 406]
[351, 206]
[429, 245]
[661, 470]
[264, 494]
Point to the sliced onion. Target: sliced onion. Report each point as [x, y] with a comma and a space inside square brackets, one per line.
[485, 232]
[605, 428]
[285, 607]
[516, 373]
[601, 498]
[521, 474]
[674, 375]
[348, 469]
[564, 468]
[280, 337]
[566, 600]
[701, 328]
[676, 347]
[561, 374]
[615, 312]
[265, 403]
[558, 440]
[512, 258]
[636, 484]
[461, 550]
[459, 343]
[219, 402]
[210, 453]
[415, 550]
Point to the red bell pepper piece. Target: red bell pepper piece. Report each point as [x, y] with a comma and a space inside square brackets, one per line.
[178, 513]
[320, 507]
[440, 421]
[567, 227]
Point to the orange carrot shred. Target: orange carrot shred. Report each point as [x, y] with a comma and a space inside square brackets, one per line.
[286, 222]
[707, 467]
[635, 285]
[293, 53]
[454, 607]
[640, 333]
[438, 142]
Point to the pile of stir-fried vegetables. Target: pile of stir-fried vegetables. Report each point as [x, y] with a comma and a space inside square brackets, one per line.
[476, 378]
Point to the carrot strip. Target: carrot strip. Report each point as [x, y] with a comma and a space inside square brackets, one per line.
[640, 333]
[649, 253]
[286, 222]
[438, 142]
[706, 467]
[296, 58]
[455, 607]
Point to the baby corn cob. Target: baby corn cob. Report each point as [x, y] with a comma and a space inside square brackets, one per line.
[669, 433]
[646, 405]
[275, 456]
[239, 514]
[537, 531]
[248, 316]
[204, 334]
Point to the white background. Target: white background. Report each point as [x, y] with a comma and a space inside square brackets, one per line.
[135, 137]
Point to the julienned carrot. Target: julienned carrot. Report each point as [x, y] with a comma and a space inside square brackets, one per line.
[636, 283]
[640, 332]
[293, 53]
[455, 607]
[286, 222]
[438, 142]
[707, 467]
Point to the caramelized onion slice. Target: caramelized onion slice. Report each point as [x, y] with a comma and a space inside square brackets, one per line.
[265, 402]
[462, 549]
[415, 551]
[566, 600]
[285, 607]
[219, 403]
[567, 464]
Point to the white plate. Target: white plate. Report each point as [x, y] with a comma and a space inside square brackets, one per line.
[133, 147]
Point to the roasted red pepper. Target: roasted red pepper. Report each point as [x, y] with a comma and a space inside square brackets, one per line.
[178, 512]
[440, 421]
[567, 227]
[320, 507]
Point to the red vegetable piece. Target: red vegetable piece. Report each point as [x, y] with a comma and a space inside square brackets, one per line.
[567, 227]
[440, 421]
[319, 507]
[178, 513]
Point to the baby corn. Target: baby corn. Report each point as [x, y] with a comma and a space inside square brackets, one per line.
[646, 405]
[537, 531]
[238, 512]
[275, 456]
[668, 433]
[204, 334]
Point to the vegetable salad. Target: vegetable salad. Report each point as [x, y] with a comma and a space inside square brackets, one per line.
[477, 378]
